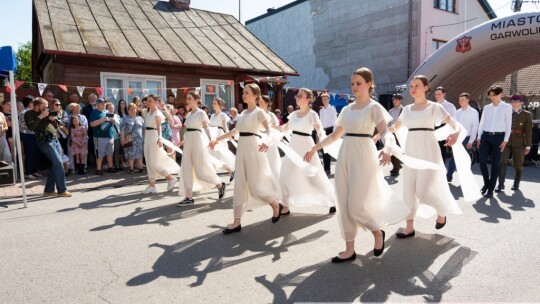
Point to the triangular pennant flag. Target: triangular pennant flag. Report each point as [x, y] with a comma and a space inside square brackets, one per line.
[80, 90]
[99, 92]
[186, 90]
[286, 89]
[41, 87]
[222, 89]
[145, 92]
[241, 84]
[63, 87]
[18, 83]
[8, 89]
[271, 85]
[129, 91]
[210, 88]
[114, 92]
[174, 91]
[333, 95]
[230, 82]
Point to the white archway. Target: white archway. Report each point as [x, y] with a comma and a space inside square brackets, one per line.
[483, 55]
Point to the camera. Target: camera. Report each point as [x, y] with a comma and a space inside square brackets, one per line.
[109, 115]
[53, 113]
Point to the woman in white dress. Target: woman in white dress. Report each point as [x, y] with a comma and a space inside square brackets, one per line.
[428, 187]
[197, 171]
[297, 188]
[221, 152]
[158, 163]
[363, 195]
[273, 152]
[254, 182]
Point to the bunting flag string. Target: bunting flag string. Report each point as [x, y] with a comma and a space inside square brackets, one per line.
[220, 88]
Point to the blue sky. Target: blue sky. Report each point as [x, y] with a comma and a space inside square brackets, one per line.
[16, 26]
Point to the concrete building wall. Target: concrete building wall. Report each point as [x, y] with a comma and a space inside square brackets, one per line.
[290, 35]
[326, 40]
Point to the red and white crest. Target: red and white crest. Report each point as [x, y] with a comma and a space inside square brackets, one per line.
[464, 44]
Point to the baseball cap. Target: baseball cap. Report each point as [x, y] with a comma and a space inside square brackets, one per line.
[100, 100]
[397, 96]
[516, 97]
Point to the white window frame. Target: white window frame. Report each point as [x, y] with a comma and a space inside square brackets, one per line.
[128, 77]
[217, 83]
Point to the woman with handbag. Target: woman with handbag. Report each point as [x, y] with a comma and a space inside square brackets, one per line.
[131, 137]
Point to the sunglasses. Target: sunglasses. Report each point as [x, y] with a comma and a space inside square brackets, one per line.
[57, 104]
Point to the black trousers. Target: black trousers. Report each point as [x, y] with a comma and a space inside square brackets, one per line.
[327, 159]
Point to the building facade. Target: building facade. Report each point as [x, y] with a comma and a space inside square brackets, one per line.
[128, 48]
[326, 40]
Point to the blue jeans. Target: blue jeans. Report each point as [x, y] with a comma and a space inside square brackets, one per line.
[30, 153]
[489, 146]
[56, 177]
[452, 162]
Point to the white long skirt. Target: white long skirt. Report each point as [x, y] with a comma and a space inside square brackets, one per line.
[364, 198]
[158, 163]
[254, 181]
[426, 192]
[299, 189]
[197, 170]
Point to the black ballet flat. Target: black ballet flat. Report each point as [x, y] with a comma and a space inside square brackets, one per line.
[332, 210]
[221, 191]
[401, 235]
[378, 252]
[232, 230]
[484, 190]
[515, 187]
[338, 260]
[500, 188]
[286, 213]
[276, 218]
[439, 225]
[232, 177]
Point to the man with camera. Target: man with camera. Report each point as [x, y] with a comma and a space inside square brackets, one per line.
[44, 125]
[103, 125]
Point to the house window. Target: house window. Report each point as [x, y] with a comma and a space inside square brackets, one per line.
[131, 85]
[445, 5]
[212, 88]
[437, 44]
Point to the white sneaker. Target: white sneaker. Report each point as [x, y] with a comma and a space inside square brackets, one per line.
[37, 175]
[29, 176]
[149, 190]
[171, 184]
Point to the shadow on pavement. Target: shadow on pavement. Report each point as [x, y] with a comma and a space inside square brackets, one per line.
[492, 211]
[517, 200]
[164, 215]
[403, 269]
[184, 259]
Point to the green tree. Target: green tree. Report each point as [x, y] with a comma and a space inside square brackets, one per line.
[24, 63]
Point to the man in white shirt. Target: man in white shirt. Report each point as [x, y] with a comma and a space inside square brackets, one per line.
[328, 116]
[493, 134]
[395, 112]
[468, 118]
[440, 94]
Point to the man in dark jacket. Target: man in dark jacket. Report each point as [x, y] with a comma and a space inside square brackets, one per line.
[44, 126]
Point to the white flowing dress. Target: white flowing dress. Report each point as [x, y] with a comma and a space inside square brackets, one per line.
[158, 163]
[221, 150]
[273, 152]
[254, 182]
[197, 170]
[299, 189]
[425, 191]
[364, 198]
